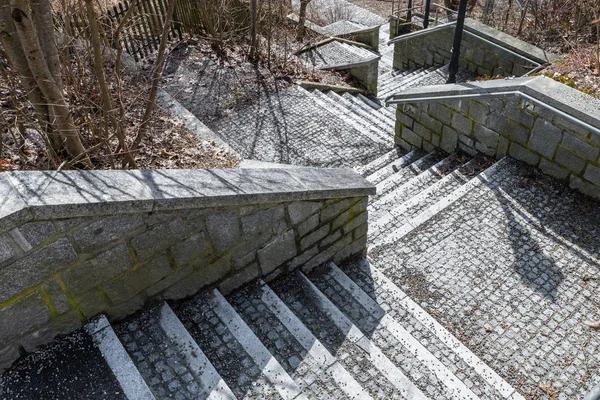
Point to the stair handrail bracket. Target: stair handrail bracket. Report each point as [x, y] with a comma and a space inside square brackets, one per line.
[142, 236]
[534, 119]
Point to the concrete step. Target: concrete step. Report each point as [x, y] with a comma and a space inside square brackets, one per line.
[167, 357]
[395, 166]
[398, 215]
[437, 380]
[372, 289]
[427, 214]
[381, 204]
[395, 176]
[360, 124]
[316, 371]
[236, 353]
[378, 105]
[376, 373]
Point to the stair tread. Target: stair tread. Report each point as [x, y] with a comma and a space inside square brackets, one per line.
[377, 115]
[370, 118]
[398, 215]
[482, 380]
[348, 344]
[395, 166]
[390, 335]
[216, 333]
[403, 175]
[379, 162]
[415, 185]
[168, 358]
[308, 362]
[361, 124]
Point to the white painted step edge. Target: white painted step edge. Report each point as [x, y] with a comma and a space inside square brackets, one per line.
[270, 367]
[455, 386]
[403, 300]
[129, 378]
[387, 368]
[194, 357]
[312, 345]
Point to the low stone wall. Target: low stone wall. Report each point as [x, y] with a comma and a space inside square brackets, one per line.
[477, 54]
[367, 75]
[77, 244]
[509, 124]
[369, 36]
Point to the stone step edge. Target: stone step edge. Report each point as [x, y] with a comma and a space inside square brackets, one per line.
[193, 355]
[403, 162]
[379, 162]
[396, 212]
[373, 134]
[462, 351]
[378, 114]
[269, 366]
[430, 172]
[311, 344]
[129, 378]
[418, 166]
[370, 116]
[454, 385]
[373, 117]
[383, 364]
[445, 202]
[405, 83]
[404, 80]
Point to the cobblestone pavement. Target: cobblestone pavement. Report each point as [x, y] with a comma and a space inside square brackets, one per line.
[312, 377]
[295, 295]
[288, 127]
[512, 270]
[336, 53]
[156, 357]
[227, 355]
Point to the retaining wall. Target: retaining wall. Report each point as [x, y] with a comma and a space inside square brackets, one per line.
[77, 244]
[509, 125]
[477, 55]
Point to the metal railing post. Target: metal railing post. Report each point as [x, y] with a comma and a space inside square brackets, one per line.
[426, 17]
[460, 23]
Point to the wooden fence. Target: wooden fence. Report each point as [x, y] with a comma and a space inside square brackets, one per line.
[140, 34]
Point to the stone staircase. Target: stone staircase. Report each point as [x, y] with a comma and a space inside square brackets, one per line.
[336, 54]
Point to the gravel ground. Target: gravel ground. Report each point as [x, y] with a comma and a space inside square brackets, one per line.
[71, 367]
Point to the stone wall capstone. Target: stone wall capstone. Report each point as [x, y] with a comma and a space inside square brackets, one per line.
[509, 124]
[79, 243]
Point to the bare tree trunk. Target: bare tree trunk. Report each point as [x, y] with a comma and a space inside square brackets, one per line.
[302, 20]
[16, 57]
[59, 111]
[109, 111]
[488, 10]
[156, 74]
[253, 45]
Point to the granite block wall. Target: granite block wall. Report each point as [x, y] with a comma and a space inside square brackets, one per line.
[478, 55]
[115, 254]
[510, 125]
